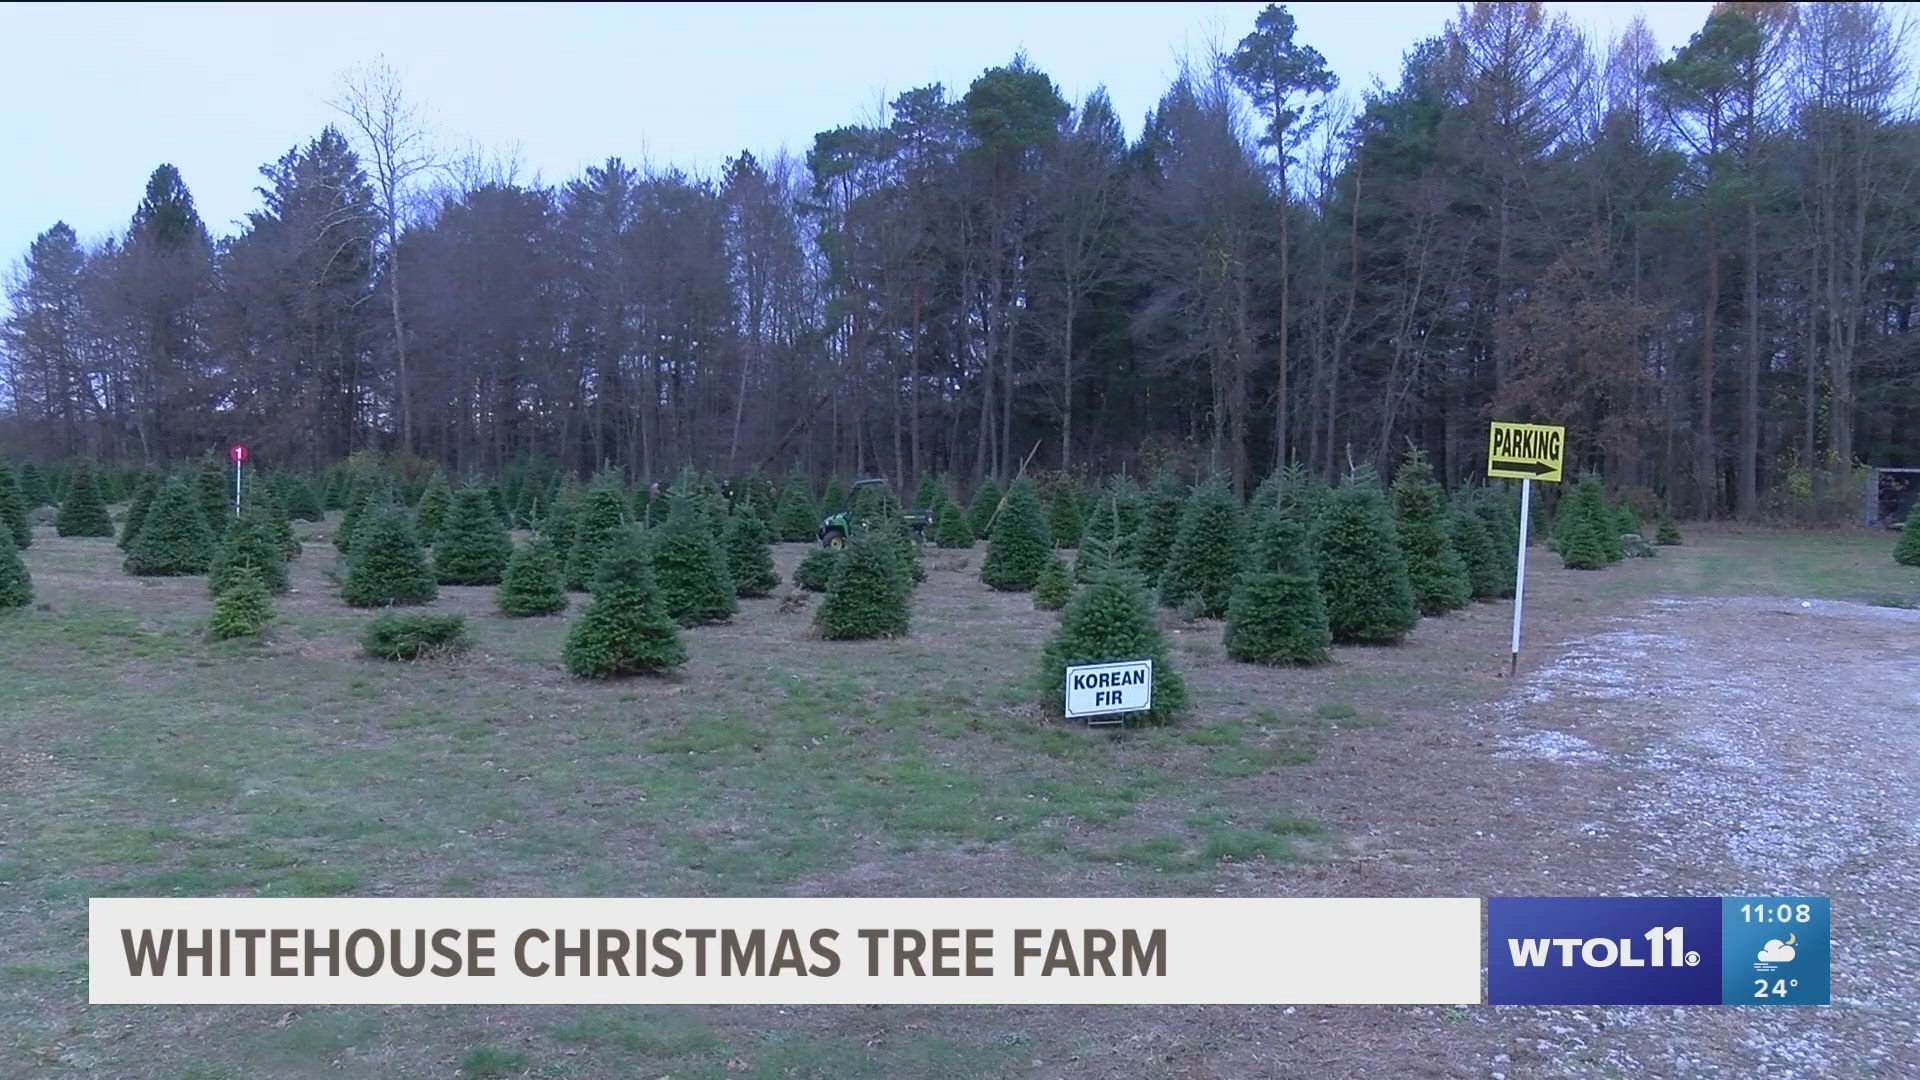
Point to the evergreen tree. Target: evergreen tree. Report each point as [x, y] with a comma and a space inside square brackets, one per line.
[498, 501]
[271, 503]
[363, 497]
[1484, 564]
[82, 513]
[214, 488]
[816, 570]
[1625, 521]
[562, 518]
[1109, 620]
[302, 502]
[1130, 504]
[1606, 522]
[241, 607]
[1438, 574]
[1159, 528]
[868, 595]
[532, 584]
[333, 490]
[1500, 512]
[1018, 547]
[430, 513]
[1206, 553]
[474, 547]
[251, 543]
[1068, 517]
[951, 527]
[33, 487]
[795, 518]
[13, 509]
[387, 565]
[1583, 527]
[986, 502]
[1669, 533]
[174, 538]
[690, 567]
[1278, 614]
[16, 585]
[626, 630]
[1363, 571]
[710, 502]
[926, 494]
[1055, 586]
[136, 511]
[1907, 551]
[749, 559]
[833, 500]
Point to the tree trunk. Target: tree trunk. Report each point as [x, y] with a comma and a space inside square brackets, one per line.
[1703, 455]
[1280, 432]
[1747, 502]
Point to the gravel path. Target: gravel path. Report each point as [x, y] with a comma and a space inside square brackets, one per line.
[1733, 747]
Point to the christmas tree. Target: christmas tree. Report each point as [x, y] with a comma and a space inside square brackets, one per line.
[868, 595]
[532, 585]
[1363, 571]
[388, 565]
[626, 630]
[81, 512]
[1109, 620]
[1018, 546]
[174, 538]
[474, 547]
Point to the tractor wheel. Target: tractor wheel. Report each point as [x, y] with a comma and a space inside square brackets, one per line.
[834, 540]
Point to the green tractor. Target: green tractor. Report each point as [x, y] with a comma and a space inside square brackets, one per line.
[839, 526]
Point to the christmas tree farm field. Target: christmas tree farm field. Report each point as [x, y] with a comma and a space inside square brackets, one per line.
[139, 758]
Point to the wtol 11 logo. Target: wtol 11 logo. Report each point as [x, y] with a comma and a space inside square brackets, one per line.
[1696, 950]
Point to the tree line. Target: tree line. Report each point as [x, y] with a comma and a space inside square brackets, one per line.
[1700, 259]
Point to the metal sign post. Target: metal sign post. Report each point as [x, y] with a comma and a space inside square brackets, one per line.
[1524, 452]
[238, 455]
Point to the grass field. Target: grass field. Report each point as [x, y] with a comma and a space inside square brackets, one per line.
[138, 759]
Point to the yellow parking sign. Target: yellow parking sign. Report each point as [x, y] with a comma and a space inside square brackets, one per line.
[1526, 451]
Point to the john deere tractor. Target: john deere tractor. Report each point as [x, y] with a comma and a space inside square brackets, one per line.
[841, 525]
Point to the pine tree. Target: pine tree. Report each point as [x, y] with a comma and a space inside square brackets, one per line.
[271, 502]
[214, 488]
[251, 543]
[1206, 553]
[16, 585]
[1159, 527]
[834, 499]
[1068, 517]
[136, 510]
[1363, 571]
[1669, 533]
[951, 527]
[1018, 547]
[363, 497]
[796, 520]
[869, 594]
[986, 502]
[174, 538]
[690, 567]
[562, 518]
[1109, 620]
[626, 630]
[1470, 539]
[1907, 551]
[387, 565]
[532, 584]
[816, 570]
[1055, 586]
[33, 487]
[241, 607]
[1607, 523]
[474, 547]
[1625, 521]
[82, 513]
[430, 513]
[1439, 575]
[333, 490]
[302, 501]
[13, 509]
[1583, 527]
[926, 493]
[1500, 512]
[749, 559]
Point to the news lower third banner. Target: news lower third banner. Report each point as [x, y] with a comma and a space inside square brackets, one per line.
[784, 951]
[1755, 950]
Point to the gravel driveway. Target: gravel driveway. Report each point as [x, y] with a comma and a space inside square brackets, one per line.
[1731, 747]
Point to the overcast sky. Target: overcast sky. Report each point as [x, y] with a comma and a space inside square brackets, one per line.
[99, 95]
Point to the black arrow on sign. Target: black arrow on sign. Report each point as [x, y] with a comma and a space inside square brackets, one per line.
[1537, 468]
